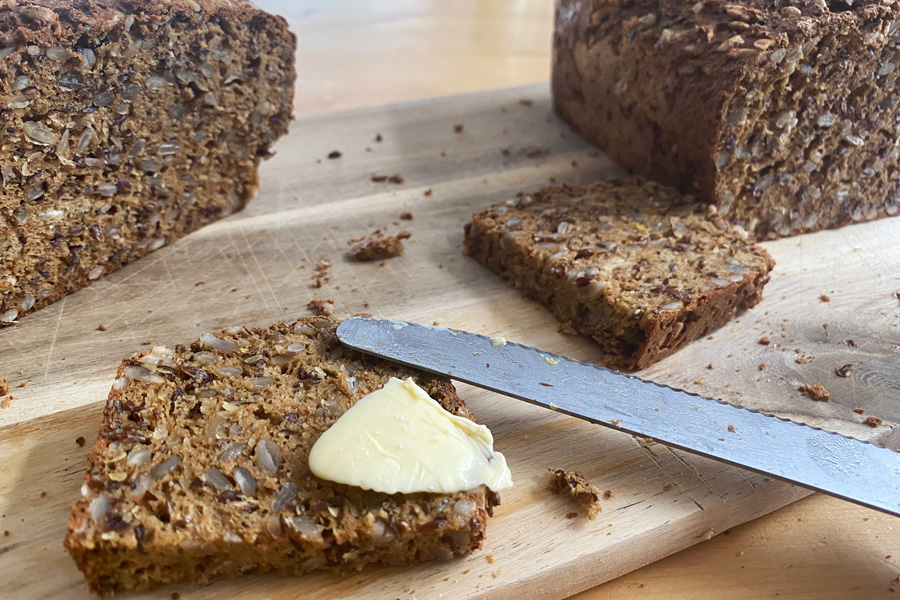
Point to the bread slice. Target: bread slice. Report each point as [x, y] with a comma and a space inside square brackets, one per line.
[200, 469]
[126, 125]
[782, 114]
[628, 263]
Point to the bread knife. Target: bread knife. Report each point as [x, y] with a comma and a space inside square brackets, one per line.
[813, 458]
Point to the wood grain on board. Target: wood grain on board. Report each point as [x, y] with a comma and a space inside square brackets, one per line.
[258, 266]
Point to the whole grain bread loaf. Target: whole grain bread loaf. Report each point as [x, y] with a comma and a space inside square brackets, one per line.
[781, 113]
[201, 467]
[127, 125]
[629, 263]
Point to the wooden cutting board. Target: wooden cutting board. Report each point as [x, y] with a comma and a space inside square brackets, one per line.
[257, 267]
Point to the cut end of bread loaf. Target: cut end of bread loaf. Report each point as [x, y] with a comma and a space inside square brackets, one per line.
[125, 128]
[200, 469]
[781, 114]
[630, 264]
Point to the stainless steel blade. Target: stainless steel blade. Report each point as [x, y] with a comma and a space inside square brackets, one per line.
[827, 462]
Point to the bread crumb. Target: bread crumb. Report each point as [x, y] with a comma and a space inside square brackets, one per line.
[709, 366]
[859, 411]
[815, 392]
[334, 154]
[80, 441]
[324, 308]
[149, 341]
[378, 137]
[731, 429]
[406, 216]
[607, 494]
[765, 341]
[23, 384]
[427, 192]
[101, 327]
[396, 178]
[824, 298]
[378, 246]
[458, 128]
[526, 101]
[490, 558]
[667, 487]
[495, 574]
[571, 515]
[4, 387]
[762, 366]
[873, 421]
[578, 488]
[844, 370]
[7, 402]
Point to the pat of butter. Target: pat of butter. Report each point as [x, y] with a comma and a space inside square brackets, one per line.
[399, 439]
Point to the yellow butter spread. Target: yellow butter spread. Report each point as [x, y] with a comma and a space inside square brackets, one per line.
[399, 439]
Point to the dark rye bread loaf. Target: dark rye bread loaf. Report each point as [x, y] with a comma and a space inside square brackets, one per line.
[126, 125]
[781, 113]
[627, 263]
[201, 467]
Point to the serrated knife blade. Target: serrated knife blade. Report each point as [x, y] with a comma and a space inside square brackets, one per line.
[831, 463]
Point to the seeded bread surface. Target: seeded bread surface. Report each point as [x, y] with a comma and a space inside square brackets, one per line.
[127, 125]
[629, 263]
[201, 467]
[781, 113]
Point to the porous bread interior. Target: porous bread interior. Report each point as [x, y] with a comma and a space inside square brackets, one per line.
[214, 411]
[810, 139]
[130, 138]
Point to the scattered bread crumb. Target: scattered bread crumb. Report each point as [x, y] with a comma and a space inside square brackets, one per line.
[406, 216]
[526, 101]
[324, 308]
[101, 327]
[765, 341]
[80, 441]
[607, 494]
[579, 488]
[378, 246]
[859, 411]
[395, 178]
[762, 366]
[334, 154]
[731, 429]
[873, 421]
[427, 192]
[824, 298]
[844, 370]
[490, 558]
[378, 137]
[7, 402]
[4, 387]
[458, 128]
[815, 392]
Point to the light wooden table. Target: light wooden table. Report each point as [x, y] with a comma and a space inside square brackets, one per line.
[354, 53]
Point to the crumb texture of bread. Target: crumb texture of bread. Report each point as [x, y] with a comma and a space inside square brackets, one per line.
[378, 246]
[200, 469]
[579, 488]
[629, 263]
[127, 125]
[782, 114]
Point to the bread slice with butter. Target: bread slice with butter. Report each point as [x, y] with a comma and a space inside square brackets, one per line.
[201, 467]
